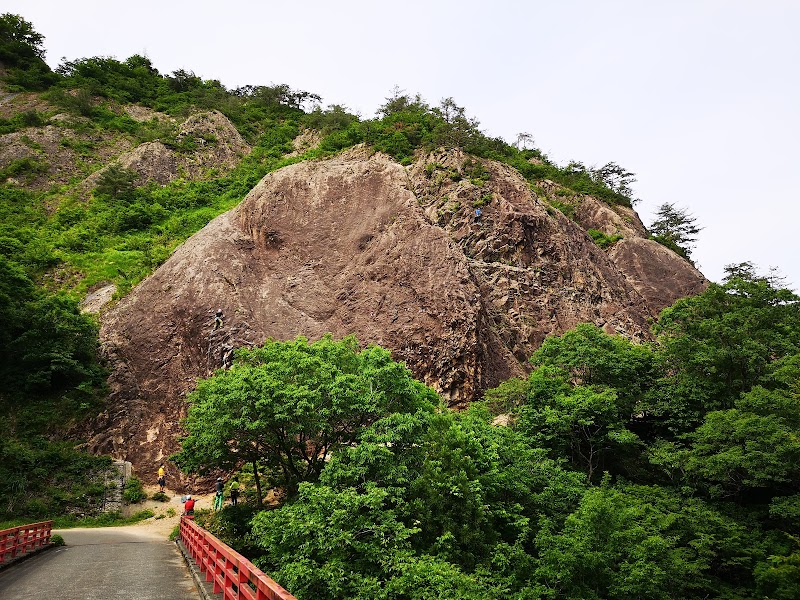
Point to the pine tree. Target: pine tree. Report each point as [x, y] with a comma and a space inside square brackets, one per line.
[675, 228]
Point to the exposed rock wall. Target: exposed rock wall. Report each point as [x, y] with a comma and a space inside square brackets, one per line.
[359, 244]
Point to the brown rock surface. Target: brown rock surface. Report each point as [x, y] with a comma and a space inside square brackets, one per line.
[657, 273]
[359, 244]
[219, 144]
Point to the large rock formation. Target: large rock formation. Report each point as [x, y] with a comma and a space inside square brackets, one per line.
[359, 244]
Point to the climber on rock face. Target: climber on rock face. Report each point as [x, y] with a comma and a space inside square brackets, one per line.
[218, 319]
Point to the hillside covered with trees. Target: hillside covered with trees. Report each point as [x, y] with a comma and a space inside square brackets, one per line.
[661, 469]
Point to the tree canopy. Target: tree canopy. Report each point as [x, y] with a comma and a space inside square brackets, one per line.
[625, 471]
[286, 406]
[22, 53]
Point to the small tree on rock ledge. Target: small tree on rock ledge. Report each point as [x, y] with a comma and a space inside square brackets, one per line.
[676, 229]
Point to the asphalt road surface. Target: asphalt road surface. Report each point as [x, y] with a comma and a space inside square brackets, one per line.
[111, 563]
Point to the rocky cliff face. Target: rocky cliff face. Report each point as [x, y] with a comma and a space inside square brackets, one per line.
[359, 244]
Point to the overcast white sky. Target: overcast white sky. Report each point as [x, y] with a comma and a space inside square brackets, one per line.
[699, 98]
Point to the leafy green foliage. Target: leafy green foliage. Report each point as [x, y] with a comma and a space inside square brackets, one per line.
[722, 343]
[779, 578]
[603, 240]
[644, 542]
[134, 491]
[287, 405]
[22, 53]
[40, 478]
[508, 396]
[751, 450]
[28, 118]
[436, 499]
[47, 348]
[116, 183]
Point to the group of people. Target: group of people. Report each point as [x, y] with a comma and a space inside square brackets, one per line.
[219, 496]
[219, 493]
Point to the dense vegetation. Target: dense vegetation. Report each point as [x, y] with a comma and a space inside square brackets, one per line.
[658, 471]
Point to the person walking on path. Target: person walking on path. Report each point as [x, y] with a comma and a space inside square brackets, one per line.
[162, 482]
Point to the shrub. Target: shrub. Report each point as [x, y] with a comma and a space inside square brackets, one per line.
[567, 209]
[57, 540]
[603, 240]
[134, 492]
[160, 497]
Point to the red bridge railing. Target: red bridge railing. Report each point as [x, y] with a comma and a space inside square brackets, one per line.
[232, 574]
[18, 541]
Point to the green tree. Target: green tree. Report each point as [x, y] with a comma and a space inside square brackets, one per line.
[721, 343]
[22, 53]
[18, 40]
[779, 577]
[116, 182]
[583, 396]
[644, 543]
[615, 178]
[675, 228]
[443, 493]
[288, 405]
[751, 451]
[588, 425]
[400, 102]
[590, 356]
[47, 347]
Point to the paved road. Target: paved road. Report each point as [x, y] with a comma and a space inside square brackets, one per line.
[102, 564]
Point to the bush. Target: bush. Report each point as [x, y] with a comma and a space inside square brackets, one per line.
[57, 540]
[134, 491]
[160, 497]
[603, 240]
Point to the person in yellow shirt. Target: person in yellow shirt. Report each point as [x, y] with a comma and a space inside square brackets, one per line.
[235, 491]
[161, 480]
